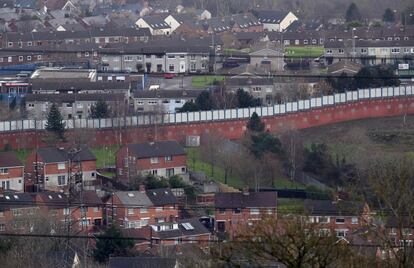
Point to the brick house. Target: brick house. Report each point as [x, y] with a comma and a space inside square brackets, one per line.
[16, 212]
[11, 172]
[136, 209]
[400, 231]
[53, 168]
[341, 217]
[173, 235]
[237, 210]
[161, 158]
[88, 211]
[85, 214]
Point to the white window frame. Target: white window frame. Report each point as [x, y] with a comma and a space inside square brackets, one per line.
[154, 160]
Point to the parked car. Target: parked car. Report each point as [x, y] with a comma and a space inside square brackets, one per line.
[169, 75]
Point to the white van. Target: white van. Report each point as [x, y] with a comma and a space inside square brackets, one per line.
[154, 87]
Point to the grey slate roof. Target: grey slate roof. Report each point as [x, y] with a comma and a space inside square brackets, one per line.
[328, 207]
[271, 16]
[54, 155]
[70, 98]
[156, 21]
[75, 86]
[166, 94]
[198, 229]
[16, 200]
[162, 197]
[53, 200]
[9, 159]
[242, 200]
[156, 149]
[134, 198]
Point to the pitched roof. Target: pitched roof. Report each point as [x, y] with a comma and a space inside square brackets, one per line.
[345, 66]
[328, 207]
[54, 155]
[186, 227]
[246, 200]
[271, 16]
[67, 97]
[52, 200]
[156, 21]
[134, 198]
[167, 94]
[9, 159]
[161, 197]
[59, 85]
[156, 149]
[16, 200]
[394, 222]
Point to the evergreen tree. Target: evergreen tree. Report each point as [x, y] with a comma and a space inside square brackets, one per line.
[388, 15]
[245, 99]
[100, 110]
[111, 243]
[189, 106]
[352, 13]
[55, 122]
[204, 101]
[255, 124]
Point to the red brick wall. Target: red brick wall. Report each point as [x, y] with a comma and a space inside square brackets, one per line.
[14, 172]
[234, 129]
[235, 223]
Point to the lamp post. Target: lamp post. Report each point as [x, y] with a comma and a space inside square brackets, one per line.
[353, 44]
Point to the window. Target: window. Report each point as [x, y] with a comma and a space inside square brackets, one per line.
[254, 211]
[393, 231]
[395, 50]
[297, 42]
[171, 56]
[139, 58]
[329, 51]
[171, 67]
[2, 227]
[406, 231]
[66, 211]
[286, 42]
[257, 89]
[341, 51]
[305, 42]
[269, 211]
[363, 51]
[154, 160]
[61, 180]
[130, 211]
[78, 54]
[128, 58]
[168, 158]
[192, 57]
[324, 219]
[86, 54]
[324, 232]
[314, 41]
[61, 166]
[237, 211]
[16, 212]
[222, 211]
[406, 50]
[192, 67]
[154, 172]
[158, 209]
[96, 209]
[29, 58]
[4, 171]
[340, 220]
[143, 210]
[9, 59]
[10, 44]
[354, 220]
[144, 222]
[1, 213]
[341, 232]
[182, 56]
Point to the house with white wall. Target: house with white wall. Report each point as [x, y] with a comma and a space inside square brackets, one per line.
[275, 20]
[156, 24]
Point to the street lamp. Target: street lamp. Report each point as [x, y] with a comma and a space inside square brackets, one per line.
[353, 43]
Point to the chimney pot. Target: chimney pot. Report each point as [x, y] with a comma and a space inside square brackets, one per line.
[142, 188]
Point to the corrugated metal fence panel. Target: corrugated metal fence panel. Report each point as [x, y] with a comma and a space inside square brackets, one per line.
[354, 95]
[331, 100]
[197, 116]
[318, 102]
[325, 100]
[184, 117]
[282, 109]
[294, 106]
[234, 113]
[191, 117]
[227, 113]
[221, 114]
[390, 92]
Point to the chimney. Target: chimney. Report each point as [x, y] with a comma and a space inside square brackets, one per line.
[246, 190]
[142, 188]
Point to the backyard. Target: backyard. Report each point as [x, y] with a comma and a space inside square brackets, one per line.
[202, 81]
[298, 52]
[196, 163]
[105, 156]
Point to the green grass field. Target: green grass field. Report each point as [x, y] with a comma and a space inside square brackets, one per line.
[297, 52]
[290, 205]
[105, 156]
[195, 163]
[203, 81]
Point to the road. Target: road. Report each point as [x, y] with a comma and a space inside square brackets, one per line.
[176, 83]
